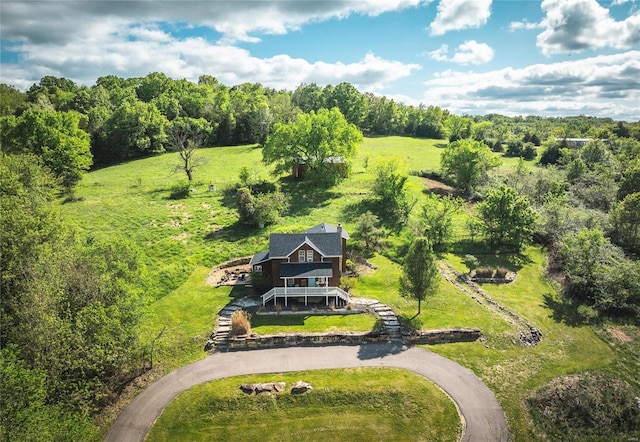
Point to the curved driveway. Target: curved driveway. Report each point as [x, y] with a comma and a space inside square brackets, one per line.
[482, 417]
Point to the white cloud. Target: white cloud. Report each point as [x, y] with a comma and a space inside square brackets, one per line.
[584, 24]
[469, 52]
[440, 54]
[602, 86]
[136, 51]
[524, 24]
[61, 22]
[454, 15]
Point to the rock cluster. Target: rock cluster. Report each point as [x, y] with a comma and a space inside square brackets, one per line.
[299, 387]
[267, 387]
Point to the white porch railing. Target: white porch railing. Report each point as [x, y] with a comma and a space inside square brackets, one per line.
[305, 292]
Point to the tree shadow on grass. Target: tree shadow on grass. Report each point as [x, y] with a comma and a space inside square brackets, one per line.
[410, 323]
[304, 196]
[490, 257]
[235, 232]
[278, 320]
[565, 311]
[241, 291]
[351, 212]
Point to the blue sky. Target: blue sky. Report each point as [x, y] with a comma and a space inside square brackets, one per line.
[514, 57]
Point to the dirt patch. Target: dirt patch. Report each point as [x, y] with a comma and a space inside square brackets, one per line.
[620, 335]
[182, 237]
[229, 274]
[438, 187]
[364, 269]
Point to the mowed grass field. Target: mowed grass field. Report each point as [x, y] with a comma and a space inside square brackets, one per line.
[347, 405]
[183, 239]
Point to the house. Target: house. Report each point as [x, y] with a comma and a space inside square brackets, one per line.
[305, 267]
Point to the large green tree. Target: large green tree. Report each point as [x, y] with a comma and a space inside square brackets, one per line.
[135, 129]
[583, 255]
[324, 142]
[458, 127]
[466, 163]
[509, 219]
[55, 137]
[625, 219]
[436, 219]
[349, 100]
[389, 188]
[419, 277]
[69, 308]
[368, 231]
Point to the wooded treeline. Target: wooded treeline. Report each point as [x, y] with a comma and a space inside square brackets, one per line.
[127, 118]
[69, 311]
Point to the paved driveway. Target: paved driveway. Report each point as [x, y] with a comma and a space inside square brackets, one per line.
[483, 419]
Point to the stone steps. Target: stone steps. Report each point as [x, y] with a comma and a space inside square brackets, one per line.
[390, 323]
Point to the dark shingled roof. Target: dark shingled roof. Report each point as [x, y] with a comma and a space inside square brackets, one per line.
[283, 244]
[259, 257]
[305, 270]
[326, 228]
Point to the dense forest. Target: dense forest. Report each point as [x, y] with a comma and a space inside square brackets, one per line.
[70, 305]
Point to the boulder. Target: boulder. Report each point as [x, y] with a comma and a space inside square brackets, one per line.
[301, 387]
[248, 388]
[263, 388]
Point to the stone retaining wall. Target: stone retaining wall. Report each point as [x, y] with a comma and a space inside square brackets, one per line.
[444, 336]
[347, 338]
[508, 280]
[235, 263]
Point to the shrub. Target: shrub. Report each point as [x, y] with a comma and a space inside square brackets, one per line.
[529, 152]
[240, 323]
[347, 283]
[180, 190]
[260, 281]
[585, 406]
[484, 272]
[514, 148]
[471, 262]
[501, 272]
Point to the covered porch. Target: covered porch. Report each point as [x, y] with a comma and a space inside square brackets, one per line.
[306, 295]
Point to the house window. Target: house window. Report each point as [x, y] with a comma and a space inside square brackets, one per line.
[309, 255]
[300, 255]
[257, 268]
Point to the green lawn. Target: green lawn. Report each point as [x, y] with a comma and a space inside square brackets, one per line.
[351, 405]
[272, 324]
[183, 239]
[185, 319]
[512, 371]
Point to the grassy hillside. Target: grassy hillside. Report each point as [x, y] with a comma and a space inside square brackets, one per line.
[183, 239]
[132, 200]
